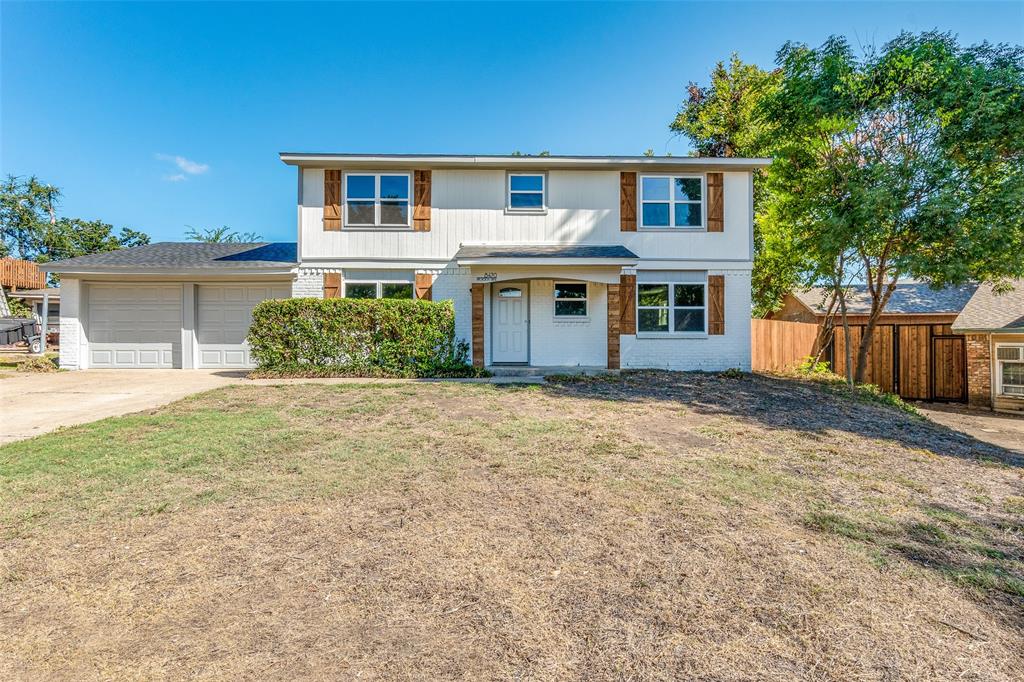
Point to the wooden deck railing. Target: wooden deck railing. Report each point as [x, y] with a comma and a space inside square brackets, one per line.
[20, 274]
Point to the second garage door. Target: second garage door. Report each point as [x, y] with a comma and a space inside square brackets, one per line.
[224, 316]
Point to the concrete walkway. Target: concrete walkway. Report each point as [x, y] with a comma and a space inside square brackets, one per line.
[997, 428]
[33, 404]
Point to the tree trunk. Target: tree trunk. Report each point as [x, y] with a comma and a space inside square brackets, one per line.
[878, 303]
[846, 335]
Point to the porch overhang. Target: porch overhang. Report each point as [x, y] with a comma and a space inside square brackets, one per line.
[571, 255]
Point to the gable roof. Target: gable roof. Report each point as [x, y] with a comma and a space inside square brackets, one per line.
[988, 311]
[174, 256]
[912, 298]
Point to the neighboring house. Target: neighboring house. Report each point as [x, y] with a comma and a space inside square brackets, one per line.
[994, 327]
[941, 345]
[549, 261]
[34, 298]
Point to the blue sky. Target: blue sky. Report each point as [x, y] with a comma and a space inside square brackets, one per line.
[157, 116]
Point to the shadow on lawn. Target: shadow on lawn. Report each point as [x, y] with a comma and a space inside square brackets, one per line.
[785, 404]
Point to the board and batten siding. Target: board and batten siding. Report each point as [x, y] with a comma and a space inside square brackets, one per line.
[468, 206]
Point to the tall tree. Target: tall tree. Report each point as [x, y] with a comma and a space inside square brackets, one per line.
[71, 237]
[221, 235]
[728, 118]
[27, 207]
[908, 162]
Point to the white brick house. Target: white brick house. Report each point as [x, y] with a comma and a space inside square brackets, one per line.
[550, 261]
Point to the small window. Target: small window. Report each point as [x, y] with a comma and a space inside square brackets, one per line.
[378, 289]
[670, 307]
[671, 201]
[377, 199]
[510, 292]
[526, 192]
[570, 299]
[1010, 372]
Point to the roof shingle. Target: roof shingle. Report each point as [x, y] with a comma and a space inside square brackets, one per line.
[185, 256]
[989, 311]
[915, 298]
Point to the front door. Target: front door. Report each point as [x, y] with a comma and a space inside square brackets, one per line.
[510, 323]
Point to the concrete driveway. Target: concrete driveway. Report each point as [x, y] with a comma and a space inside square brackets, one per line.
[997, 428]
[32, 404]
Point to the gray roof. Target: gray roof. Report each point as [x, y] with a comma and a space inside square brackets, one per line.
[913, 298]
[184, 256]
[336, 160]
[574, 251]
[989, 311]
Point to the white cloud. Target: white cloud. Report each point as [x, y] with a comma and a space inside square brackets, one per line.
[186, 166]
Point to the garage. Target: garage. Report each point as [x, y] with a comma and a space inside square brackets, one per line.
[134, 325]
[224, 313]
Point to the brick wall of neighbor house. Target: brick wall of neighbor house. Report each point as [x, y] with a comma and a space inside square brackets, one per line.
[979, 370]
[711, 353]
[70, 327]
[308, 284]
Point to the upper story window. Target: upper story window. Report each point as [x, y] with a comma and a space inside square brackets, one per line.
[672, 201]
[526, 191]
[377, 199]
[1010, 376]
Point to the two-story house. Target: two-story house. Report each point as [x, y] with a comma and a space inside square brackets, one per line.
[551, 261]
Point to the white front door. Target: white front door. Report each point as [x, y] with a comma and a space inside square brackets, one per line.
[510, 322]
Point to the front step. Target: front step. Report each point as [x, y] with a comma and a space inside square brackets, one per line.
[523, 371]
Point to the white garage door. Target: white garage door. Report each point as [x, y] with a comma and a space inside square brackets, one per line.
[136, 325]
[225, 313]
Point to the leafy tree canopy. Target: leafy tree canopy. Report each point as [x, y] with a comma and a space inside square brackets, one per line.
[221, 235]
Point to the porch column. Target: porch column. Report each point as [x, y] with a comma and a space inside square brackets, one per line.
[478, 324]
[614, 326]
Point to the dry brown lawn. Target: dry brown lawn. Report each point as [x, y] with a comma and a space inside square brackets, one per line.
[653, 526]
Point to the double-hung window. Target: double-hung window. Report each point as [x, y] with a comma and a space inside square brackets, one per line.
[672, 201]
[365, 289]
[570, 299]
[671, 307]
[377, 199]
[1010, 370]
[526, 192]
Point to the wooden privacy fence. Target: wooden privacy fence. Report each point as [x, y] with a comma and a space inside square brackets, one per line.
[776, 345]
[20, 274]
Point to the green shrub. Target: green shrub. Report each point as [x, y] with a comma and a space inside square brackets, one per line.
[357, 337]
[812, 366]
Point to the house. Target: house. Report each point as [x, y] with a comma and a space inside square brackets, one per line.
[993, 325]
[940, 345]
[34, 298]
[553, 261]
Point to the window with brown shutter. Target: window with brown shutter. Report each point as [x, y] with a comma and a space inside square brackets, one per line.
[627, 202]
[332, 200]
[627, 304]
[421, 211]
[716, 203]
[332, 285]
[716, 304]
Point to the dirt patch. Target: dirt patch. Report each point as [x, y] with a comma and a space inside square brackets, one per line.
[650, 526]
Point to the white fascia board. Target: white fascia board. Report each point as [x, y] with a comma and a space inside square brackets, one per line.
[610, 262]
[386, 161]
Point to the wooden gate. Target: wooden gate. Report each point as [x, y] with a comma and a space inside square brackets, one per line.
[949, 368]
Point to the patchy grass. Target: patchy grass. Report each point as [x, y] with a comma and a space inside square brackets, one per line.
[650, 525]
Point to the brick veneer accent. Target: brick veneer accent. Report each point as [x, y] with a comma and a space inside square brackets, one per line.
[613, 326]
[979, 370]
[478, 324]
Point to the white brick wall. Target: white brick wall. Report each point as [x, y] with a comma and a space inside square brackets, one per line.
[712, 353]
[309, 283]
[568, 343]
[70, 327]
[453, 284]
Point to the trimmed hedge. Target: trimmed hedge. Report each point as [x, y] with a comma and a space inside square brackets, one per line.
[357, 337]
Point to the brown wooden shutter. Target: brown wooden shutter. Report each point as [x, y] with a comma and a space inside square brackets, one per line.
[332, 285]
[478, 324]
[627, 202]
[716, 203]
[614, 329]
[627, 304]
[421, 211]
[716, 304]
[424, 282]
[332, 200]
